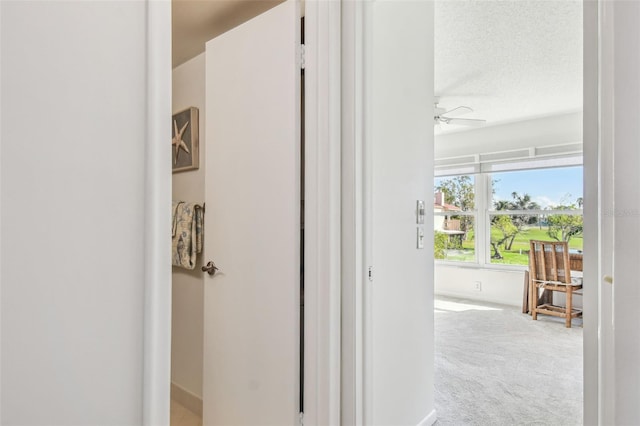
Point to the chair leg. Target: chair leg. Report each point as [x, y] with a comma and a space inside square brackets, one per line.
[533, 298]
[527, 291]
[569, 300]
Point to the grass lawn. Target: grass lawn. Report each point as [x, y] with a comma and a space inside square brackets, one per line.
[518, 253]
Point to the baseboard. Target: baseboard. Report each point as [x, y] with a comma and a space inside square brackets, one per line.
[187, 399]
[429, 420]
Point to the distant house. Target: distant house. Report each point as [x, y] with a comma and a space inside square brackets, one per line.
[444, 223]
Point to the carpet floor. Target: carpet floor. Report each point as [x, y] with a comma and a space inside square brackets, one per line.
[496, 366]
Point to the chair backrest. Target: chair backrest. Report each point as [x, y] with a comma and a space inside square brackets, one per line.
[549, 261]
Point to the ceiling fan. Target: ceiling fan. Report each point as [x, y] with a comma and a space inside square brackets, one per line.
[442, 115]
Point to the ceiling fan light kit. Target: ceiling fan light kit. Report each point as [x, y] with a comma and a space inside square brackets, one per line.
[442, 115]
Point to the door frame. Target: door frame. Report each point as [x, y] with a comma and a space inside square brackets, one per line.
[594, 400]
[322, 215]
[157, 268]
[322, 263]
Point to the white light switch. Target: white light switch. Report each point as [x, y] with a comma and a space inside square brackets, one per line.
[420, 212]
[420, 237]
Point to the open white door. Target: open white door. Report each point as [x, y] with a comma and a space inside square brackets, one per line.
[252, 222]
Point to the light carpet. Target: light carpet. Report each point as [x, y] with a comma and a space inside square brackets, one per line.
[496, 366]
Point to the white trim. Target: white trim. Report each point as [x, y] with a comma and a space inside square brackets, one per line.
[1, 344]
[322, 213]
[353, 264]
[532, 212]
[564, 154]
[482, 201]
[157, 268]
[365, 158]
[1, 341]
[429, 420]
[593, 398]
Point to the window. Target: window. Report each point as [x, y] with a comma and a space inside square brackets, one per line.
[498, 213]
[455, 218]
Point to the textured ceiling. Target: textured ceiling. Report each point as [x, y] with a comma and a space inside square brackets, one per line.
[194, 22]
[508, 59]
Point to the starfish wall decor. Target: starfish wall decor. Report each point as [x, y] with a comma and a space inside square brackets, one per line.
[177, 140]
[184, 144]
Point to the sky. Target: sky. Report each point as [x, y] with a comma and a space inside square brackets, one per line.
[546, 187]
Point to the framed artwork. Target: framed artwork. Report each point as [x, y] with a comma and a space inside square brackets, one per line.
[184, 144]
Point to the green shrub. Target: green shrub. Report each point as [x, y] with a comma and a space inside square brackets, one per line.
[439, 245]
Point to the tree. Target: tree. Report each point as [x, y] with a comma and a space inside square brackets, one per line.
[518, 202]
[502, 204]
[507, 230]
[459, 191]
[563, 227]
[522, 202]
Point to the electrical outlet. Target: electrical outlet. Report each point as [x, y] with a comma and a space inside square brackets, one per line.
[477, 286]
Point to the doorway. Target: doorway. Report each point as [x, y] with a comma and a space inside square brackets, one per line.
[251, 312]
[508, 155]
[362, 46]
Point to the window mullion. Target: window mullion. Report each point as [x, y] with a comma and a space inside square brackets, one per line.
[480, 220]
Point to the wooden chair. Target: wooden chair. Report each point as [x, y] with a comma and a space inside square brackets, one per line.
[550, 270]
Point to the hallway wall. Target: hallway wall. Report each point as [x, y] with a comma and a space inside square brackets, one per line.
[188, 291]
[73, 116]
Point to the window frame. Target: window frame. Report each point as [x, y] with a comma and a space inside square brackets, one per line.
[472, 213]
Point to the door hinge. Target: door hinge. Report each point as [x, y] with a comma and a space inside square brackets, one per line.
[370, 273]
[301, 56]
[301, 419]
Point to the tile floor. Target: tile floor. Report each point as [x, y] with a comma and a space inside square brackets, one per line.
[180, 416]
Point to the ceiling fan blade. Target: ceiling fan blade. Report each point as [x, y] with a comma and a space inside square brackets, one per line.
[472, 122]
[458, 111]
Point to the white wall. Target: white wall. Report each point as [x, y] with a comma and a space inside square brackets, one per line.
[72, 194]
[504, 287]
[535, 132]
[188, 286]
[400, 351]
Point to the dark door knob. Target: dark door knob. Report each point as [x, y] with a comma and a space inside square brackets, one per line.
[210, 268]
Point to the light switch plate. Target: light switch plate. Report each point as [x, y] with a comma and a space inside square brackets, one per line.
[420, 212]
